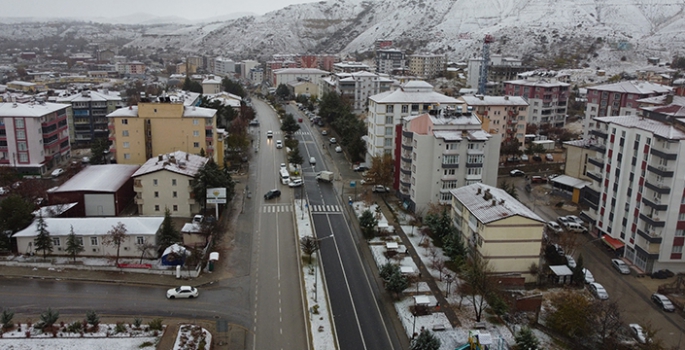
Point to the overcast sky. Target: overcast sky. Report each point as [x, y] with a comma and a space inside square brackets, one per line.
[189, 9]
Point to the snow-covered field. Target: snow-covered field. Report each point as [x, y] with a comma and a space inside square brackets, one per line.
[102, 339]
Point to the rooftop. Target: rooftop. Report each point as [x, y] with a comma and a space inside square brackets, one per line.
[413, 92]
[95, 226]
[656, 127]
[98, 178]
[479, 198]
[178, 162]
[29, 110]
[87, 96]
[633, 87]
[484, 100]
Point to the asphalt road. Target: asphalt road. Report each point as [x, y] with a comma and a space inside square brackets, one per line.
[361, 320]
[278, 307]
[632, 295]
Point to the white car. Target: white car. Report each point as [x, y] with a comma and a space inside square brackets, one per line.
[333, 140]
[516, 172]
[279, 144]
[338, 149]
[638, 332]
[269, 134]
[282, 165]
[380, 189]
[554, 227]
[598, 291]
[312, 161]
[187, 292]
[4, 191]
[295, 182]
[578, 220]
[620, 266]
[589, 278]
[571, 262]
[324, 132]
[57, 172]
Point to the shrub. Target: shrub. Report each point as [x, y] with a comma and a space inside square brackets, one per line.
[120, 328]
[137, 322]
[146, 344]
[75, 327]
[6, 319]
[156, 324]
[92, 318]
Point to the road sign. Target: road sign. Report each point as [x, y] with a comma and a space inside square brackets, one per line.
[216, 195]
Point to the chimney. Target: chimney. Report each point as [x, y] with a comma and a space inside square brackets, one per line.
[160, 157]
[506, 97]
[494, 202]
[187, 156]
[487, 195]
[478, 191]
[130, 107]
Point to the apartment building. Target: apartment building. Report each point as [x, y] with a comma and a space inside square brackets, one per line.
[286, 75]
[350, 67]
[256, 75]
[618, 99]
[88, 114]
[503, 115]
[547, 99]
[388, 60]
[639, 188]
[501, 69]
[130, 68]
[165, 182]
[427, 66]
[211, 85]
[498, 227]
[141, 132]
[357, 87]
[387, 109]
[34, 137]
[442, 150]
[224, 67]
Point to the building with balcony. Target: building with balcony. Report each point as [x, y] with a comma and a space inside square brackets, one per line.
[131, 69]
[389, 60]
[34, 137]
[88, 114]
[499, 228]
[618, 99]
[211, 85]
[427, 66]
[547, 99]
[501, 69]
[637, 190]
[357, 87]
[286, 75]
[350, 67]
[141, 132]
[442, 150]
[165, 182]
[223, 67]
[387, 109]
[504, 115]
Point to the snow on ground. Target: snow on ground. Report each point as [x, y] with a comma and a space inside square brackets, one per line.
[187, 333]
[16, 339]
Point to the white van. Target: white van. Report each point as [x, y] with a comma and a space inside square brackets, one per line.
[312, 161]
[575, 227]
[285, 176]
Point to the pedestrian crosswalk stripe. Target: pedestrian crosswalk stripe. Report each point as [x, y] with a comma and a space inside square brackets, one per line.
[277, 208]
[325, 208]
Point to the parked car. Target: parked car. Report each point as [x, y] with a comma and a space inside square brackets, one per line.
[513, 159]
[182, 292]
[638, 333]
[283, 166]
[324, 132]
[524, 158]
[272, 194]
[295, 182]
[538, 179]
[198, 219]
[620, 266]
[553, 226]
[516, 172]
[589, 278]
[576, 219]
[549, 157]
[254, 122]
[361, 168]
[338, 149]
[598, 291]
[663, 302]
[559, 249]
[572, 226]
[333, 140]
[57, 172]
[380, 189]
[537, 158]
[564, 221]
[571, 262]
[4, 191]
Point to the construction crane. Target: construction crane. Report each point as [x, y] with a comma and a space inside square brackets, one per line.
[483, 78]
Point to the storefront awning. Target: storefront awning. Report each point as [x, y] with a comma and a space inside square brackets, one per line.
[613, 243]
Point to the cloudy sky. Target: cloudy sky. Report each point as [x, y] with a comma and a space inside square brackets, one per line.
[193, 9]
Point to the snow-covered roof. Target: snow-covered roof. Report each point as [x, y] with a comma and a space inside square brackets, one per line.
[191, 227]
[654, 126]
[473, 198]
[29, 110]
[87, 96]
[98, 178]
[481, 100]
[53, 210]
[201, 112]
[178, 162]
[537, 82]
[136, 225]
[413, 92]
[130, 111]
[299, 71]
[457, 135]
[571, 181]
[633, 87]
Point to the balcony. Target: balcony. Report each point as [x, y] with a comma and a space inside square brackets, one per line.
[407, 147]
[140, 201]
[474, 165]
[599, 147]
[660, 170]
[658, 187]
[405, 171]
[408, 134]
[599, 133]
[408, 160]
[596, 162]
[651, 237]
[662, 154]
[405, 183]
[595, 176]
[654, 221]
[450, 166]
[655, 204]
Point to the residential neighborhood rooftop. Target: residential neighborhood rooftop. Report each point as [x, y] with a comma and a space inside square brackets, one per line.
[95, 226]
[29, 110]
[654, 126]
[498, 205]
[178, 162]
[634, 87]
[98, 178]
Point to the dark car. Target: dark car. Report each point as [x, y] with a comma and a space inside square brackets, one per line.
[537, 158]
[272, 194]
[663, 302]
[361, 168]
[538, 179]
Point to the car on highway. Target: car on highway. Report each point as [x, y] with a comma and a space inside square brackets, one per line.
[663, 302]
[254, 122]
[620, 266]
[269, 134]
[187, 292]
[571, 262]
[380, 189]
[516, 172]
[554, 227]
[295, 182]
[598, 291]
[312, 161]
[272, 194]
[279, 144]
[283, 166]
[324, 132]
[589, 278]
[638, 333]
[57, 172]
[299, 120]
[338, 149]
[333, 140]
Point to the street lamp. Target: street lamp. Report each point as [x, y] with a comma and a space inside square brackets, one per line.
[316, 272]
[449, 279]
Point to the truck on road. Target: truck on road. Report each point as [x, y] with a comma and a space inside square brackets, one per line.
[325, 176]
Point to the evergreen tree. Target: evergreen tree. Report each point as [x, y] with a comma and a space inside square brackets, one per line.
[192, 86]
[282, 91]
[98, 151]
[578, 275]
[92, 318]
[15, 215]
[233, 87]
[289, 125]
[425, 341]
[168, 235]
[210, 176]
[397, 282]
[6, 319]
[74, 244]
[368, 222]
[387, 270]
[295, 157]
[43, 241]
[526, 340]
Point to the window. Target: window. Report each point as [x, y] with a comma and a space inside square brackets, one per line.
[124, 121]
[448, 185]
[388, 131]
[21, 145]
[154, 182]
[196, 144]
[387, 142]
[127, 155]
[677, 249]
[680, 233]
[196, 122]
[405, 109]
[23, 157]
[474, 146]
[21, 135]
[93, 241]
[124, 133]
[388, 119]
[196, 133]
[389, 109]
[140, 240]
[474, 171]
[156, 207]
[156, 194]
[56, 242]
[173, 182]
[448, 172]
[450, 159]
[174, 194]
[175, 207]
[79, 240]
[127, 145]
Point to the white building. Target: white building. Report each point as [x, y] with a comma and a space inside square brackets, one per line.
[427, 66]
[256, 75]
[224, 67]
[443, 150]
[387, 109]
[388, 60]
[350, 67]
[287, 75]
[211, 85]
[357, 87]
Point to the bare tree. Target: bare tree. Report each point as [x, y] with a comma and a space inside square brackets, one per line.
[438, 264]
[115, 237]
[144, 249]
[608, 321]
[309, 246]
[478, 285]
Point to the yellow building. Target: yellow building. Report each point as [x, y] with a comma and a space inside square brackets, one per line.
[499, 228]
[138, 133]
